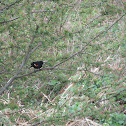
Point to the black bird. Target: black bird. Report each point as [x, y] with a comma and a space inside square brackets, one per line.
[37, 64]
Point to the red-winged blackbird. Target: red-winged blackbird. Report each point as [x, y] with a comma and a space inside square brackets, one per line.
[37, 64]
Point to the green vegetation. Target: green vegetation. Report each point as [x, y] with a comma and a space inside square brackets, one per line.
[83, 46]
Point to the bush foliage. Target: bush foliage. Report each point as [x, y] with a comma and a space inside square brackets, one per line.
[83, 46]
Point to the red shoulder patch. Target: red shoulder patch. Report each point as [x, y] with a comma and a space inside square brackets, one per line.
[36, 65]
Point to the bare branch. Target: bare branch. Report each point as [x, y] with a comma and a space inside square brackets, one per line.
[47, 98]
[28, 52]
[77, 4]
[7, 7]
[39, 44]
[9, 20]
[8, 83]
[21, 66]
[28, 55]
[42, 11]
[1, 115]
[109, 97]
[89, 42]
[9, 47]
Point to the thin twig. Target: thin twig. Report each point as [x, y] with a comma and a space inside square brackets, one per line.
[42, 11]
[7, 7]
[109, 97]
[89, 42]
[21, 66]
[47, 98]
[9, 20]
[9, 47]
[28, 55]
